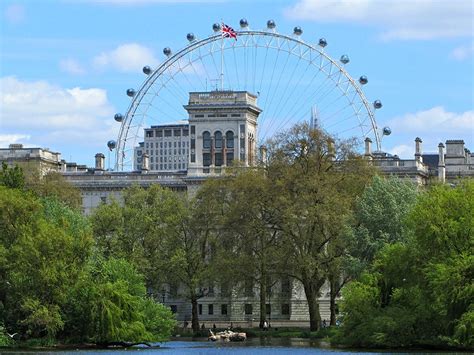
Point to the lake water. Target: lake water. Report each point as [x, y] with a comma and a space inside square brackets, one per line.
[258, 346]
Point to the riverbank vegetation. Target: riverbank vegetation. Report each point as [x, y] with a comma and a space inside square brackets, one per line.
[56, 285]
[313, 211]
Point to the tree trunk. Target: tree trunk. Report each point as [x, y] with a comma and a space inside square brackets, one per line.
[311, 290]
[194, 313]
[263, 301]
[334, 287]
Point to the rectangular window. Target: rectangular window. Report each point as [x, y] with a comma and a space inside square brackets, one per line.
[193, 129]
[206, 159]
[159, 133]
[151, 145]
[185, 132]
[223, 309]
[200, 309]
[230, 158]
[211, 115]
[149, 133]
[193, 143]
[103, 199]
[218, 157]
[161, 166]
[177, 133]
[174, 308]
[210, 309]
[269, 308]
[235, 115]
[248, 309]
[285, 309]
[167, 132]
[199, 116]
[242, 129]
[193, 158]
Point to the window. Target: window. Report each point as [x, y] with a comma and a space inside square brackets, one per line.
[185, 132]
[229, 137]
[230, 158]
[218, 159]
[200, 309]
[235, 115]
[199, 116]
[159, 133]
[174, 308]
[210, 309]
[285, 309]
[151, 145]
[248, 309]
[177, 133]
[206, 140]
[103, 199]
[167, 132]
[149, 133]
[193, 129]
[269, 308]
[139, 152]
[223, 309]
[206, 159]
[285, 285]
[218, 140]
[193, 143]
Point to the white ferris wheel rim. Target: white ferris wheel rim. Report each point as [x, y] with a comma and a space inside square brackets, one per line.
[197, 44]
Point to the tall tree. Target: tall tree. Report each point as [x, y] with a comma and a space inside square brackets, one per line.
[316, 180]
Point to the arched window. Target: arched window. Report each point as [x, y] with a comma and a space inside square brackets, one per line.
[206, 140]
[218, 140]
[229, 137]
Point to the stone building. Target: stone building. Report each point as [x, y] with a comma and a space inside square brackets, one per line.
[222, 128]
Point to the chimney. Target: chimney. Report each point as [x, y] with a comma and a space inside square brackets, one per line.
[368, 148]
[63, 166]
[441, 165]
[331, 149]
[99, 161]
[263, 154]
[418, 142]
[145, 163]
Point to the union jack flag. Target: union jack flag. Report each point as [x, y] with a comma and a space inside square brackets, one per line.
[228, 32]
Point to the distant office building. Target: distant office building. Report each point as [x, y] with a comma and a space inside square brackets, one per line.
[167, 147]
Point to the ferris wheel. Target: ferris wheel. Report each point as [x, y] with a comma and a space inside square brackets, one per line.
[293, 80]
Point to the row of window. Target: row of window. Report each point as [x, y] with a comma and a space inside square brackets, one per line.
[207, 142]
[166, 152]
[175, 166]
[248, 309]
[219, 115]
[176, 144]
[167, 133]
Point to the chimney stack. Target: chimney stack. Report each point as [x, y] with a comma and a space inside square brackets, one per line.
[145, 163]
[368, 148]
[99, 161]
[441, 165]
[418, 142]
[263, 154]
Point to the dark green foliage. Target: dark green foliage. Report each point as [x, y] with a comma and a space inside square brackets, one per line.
[419, 292]
[12, 178]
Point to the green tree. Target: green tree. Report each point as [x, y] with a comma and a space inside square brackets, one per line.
[316, 181]
[12, 177]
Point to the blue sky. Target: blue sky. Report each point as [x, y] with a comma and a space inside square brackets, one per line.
[65, 64]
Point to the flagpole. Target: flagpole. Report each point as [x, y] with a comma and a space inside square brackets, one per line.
[222, 59]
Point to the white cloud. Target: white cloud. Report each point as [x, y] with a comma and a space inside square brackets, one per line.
[7, 139]
[406, 20]
[436, 119]
[15, 13]
[463, 52]
[129, 57]
[147, 2]
[403, 151]
[71, 66]
[61, 118]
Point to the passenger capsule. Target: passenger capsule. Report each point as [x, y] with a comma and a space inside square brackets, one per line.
[216, 27]
[244, 23]
[344, 59]
[118, 117]
[386, 131]
[167, 51]
[322, 42]
[131, 92]
[377, 104]
[111, 144]
[147, 70]
[297, 31]
[271, 24]
[363, 80]
[190, 37]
